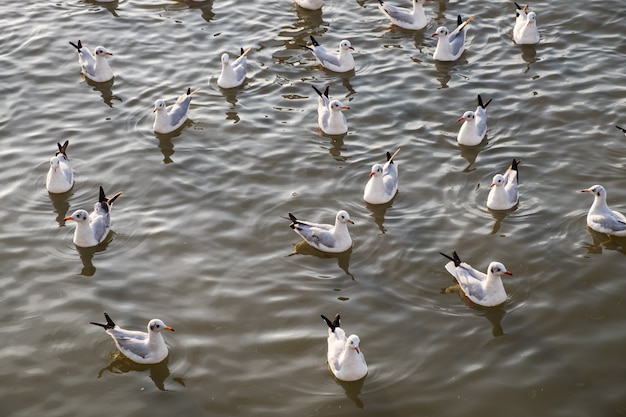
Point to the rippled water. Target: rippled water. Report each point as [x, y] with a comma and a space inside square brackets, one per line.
[199, 239]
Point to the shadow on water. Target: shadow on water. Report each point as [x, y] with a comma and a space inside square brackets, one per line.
[158, 372]
[602, 240]
[378, 213]
[111, 6]
[353, 390]
[529, 54]
[61, 205]
[499, 216]
[493, 314]
[205, 7]
[336, 146]
[166, 145]
[470, 153]
[105, 90]
[343, 258]
[87, 254]
[230, 94]
[308, 18]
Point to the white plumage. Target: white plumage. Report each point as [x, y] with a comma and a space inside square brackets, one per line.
[345, 359]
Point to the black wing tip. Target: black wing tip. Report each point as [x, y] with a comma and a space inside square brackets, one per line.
[514, 164]
[382, 3]
[332, 324]
[63, 148]
[389, 157]
[459, 20]
[110, 324]
[111, 200]
[78, 47]
[102, 198]
[454, 258]
[293, 220]
[188, 90]
[517, 5]
[313, 41]
[481, 104]
[621, 128]
[241, 51]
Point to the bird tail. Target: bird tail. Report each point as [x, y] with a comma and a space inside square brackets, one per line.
[332, 324]
[191, 93]
[480, 102]
[63, 148]
[390, 156]
[78, 47]
[454, 258]
[293, 219]
[109, 324]
[324, 94]
[313, 41]
[244, 53]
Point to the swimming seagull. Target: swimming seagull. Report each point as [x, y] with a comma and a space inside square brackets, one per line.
[94, 66]
[451, 45]
[140, 347]
[325, 237]
[503, 194]
[383, 183]
[310, 4]
[330, 117]
[168, 119]
[408, 19]
[233, 74]
[345, 359]
[60, 178]
[485, 290]
[92, 229]
[600, 217]
[622, 129]
[525, 31]
[474, 127]
[341, 61]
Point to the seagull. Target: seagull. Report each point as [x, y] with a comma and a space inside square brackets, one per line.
[345, 359]
[485, 290]
[310, 4]
[451, 46]
[408, 19]
[92, 229]
[233, 74]
[94, 66]
[383, 183]
[60, 178]
[330, 116]
[338, 62]
[622, 129]
[503, 194]
[325, 237]
[168, 119]
[140, 347]
[600, 217]
[474, 127]
[525, 31]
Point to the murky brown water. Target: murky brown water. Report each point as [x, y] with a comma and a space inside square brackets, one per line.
[199, 239]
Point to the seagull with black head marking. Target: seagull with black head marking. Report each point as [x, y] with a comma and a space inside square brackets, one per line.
[341, 61]
[450, 45]
[169, 118]
[383, 183]
[332, 238]
[503, 194]
[474, 125]
[93, 228]
[482, 289]
[600, 216]
[414, 19]
[94, 66]
[330, 117]
[141, 347]
[345, 359]
[60, 178]
[233, 73]
[525, 31]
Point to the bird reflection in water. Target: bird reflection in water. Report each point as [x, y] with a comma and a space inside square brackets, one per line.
[206, 8]
[105, 90]
[166, 145]
[159, 372]
[87, 254]
[111, 6]
[470, 153]
[336, 146]
[61, 205]
[602, 240]
[493, 314]
[498, 216]
[353, 390]
[230, 94]
[343, 258]
[378, 213]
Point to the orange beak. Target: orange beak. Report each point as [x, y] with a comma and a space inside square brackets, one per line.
[68, 218]
[346, 107]
[460, 119]
[169, 328]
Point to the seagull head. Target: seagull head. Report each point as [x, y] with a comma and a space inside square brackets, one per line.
[225, 59]
[159, 105]
[54, 163]
[156, 325]
[102, 51]
[532, 18]
[345, 44]
[78, 216]
[353, 342]
[441, 31]
[337, 105]
[468, 115]
[596, 190]
[377, 170]
[498, 180]
[496, 268]
[343, 217]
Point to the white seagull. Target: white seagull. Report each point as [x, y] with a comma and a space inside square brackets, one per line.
[325, 237]
[525, 31]
[94, 66]
[233, 74]
[168, 119]
[310, 4]
[338, 62]
[330, 117]
[408, 19]
[60, 178]
[485, 290]
[473, 129]
[600, 217]
[345, 359]
[383, 183]
[451, 45]
[140, 347]
[92, 229]
[503, 194]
